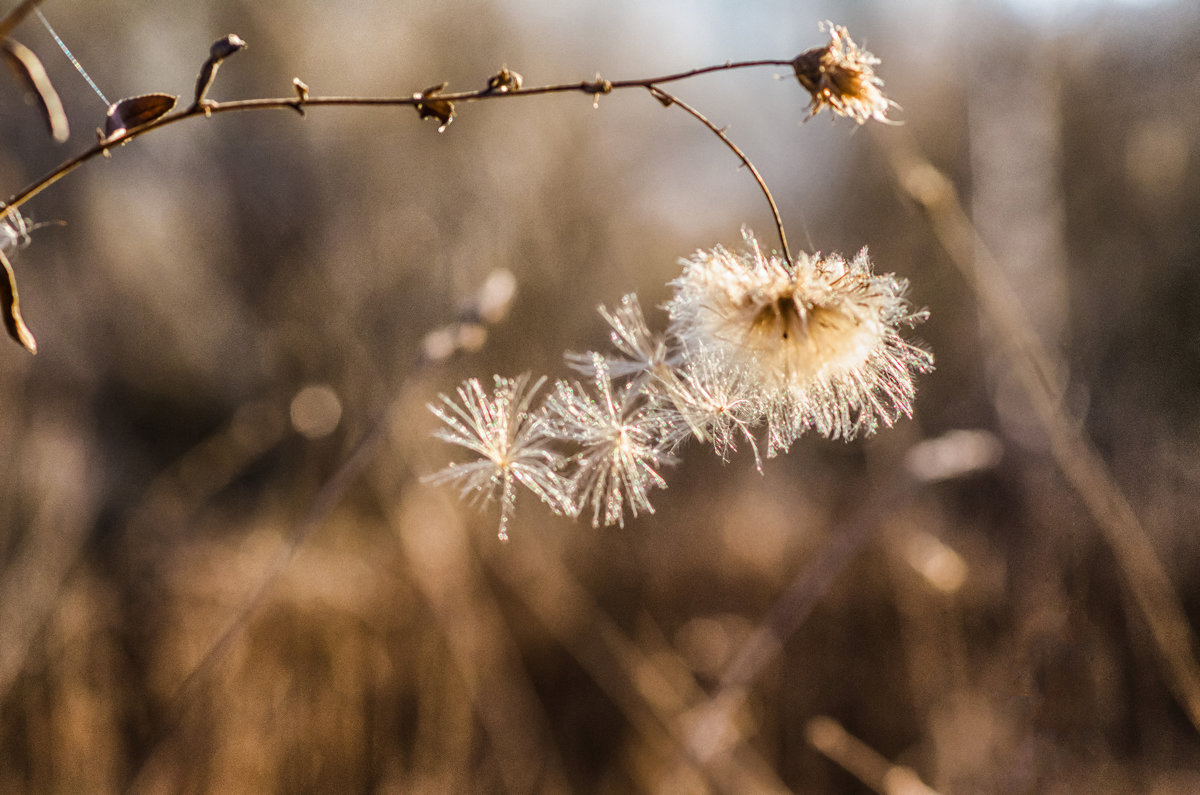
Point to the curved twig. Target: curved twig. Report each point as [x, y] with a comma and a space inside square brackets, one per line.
[669, 99]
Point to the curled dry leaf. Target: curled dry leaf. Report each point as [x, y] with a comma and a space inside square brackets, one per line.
[33, 74]
[10, 307]
[429, 106]
[134, 112]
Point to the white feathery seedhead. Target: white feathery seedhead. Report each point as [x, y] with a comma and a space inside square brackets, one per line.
[508, 439]
[820, 337]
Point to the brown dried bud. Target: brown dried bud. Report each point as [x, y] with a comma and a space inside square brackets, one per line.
[428, 106]
[842, 77]
[596, 88]
[504, 81]
[301, 94]
[225, 46]
[221, 49]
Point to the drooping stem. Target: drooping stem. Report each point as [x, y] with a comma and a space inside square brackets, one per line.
[669, 99]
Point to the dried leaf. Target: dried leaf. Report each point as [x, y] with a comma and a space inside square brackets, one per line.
[134, 112]
[30, 70]
[428, 106]
[10, 306]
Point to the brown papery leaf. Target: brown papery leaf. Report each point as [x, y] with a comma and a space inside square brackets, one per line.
[136, 111]
[33, 74]
[10, 307]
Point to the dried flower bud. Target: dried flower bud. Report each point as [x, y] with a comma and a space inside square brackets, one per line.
[301, 94]
[225, 46]
[428, 106]
[596, 88]
[841, 77]
[504, 81]
[221, 49]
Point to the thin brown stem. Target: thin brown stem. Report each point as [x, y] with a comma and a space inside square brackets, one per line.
[592, 87]
[669, 99]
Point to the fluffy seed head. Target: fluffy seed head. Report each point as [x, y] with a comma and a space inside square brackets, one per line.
[818, 336]
[621, 445]
[507, 438]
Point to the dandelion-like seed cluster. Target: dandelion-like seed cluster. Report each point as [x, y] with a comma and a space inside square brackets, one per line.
[753, 342]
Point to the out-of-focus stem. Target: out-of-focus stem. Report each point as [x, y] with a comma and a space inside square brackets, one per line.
[864, 762]
[1073, 453]
[14, 17]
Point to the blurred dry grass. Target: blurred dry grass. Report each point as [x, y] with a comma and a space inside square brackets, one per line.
[979, 634]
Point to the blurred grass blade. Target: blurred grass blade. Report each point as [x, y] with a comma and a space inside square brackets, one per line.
[30, 69]
[15, 16]
[12, 308]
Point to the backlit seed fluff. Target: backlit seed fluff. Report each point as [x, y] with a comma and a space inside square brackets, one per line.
[505, 434]
[621, 448]
[820, 337]
[841, 77]
[754, 342]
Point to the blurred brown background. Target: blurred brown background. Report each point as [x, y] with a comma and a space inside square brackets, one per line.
[234, 303]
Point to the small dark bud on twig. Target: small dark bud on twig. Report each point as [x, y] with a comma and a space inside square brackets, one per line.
[596, 88]
[504, 81]
[301, 94]
[221, 49]
[225, 46]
